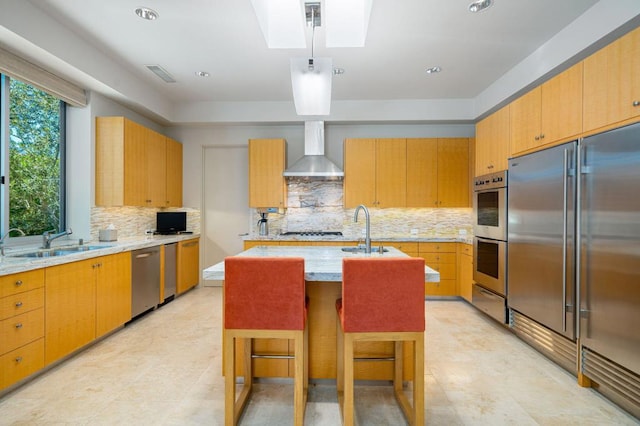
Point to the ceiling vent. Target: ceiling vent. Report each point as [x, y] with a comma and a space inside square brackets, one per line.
[162, 73]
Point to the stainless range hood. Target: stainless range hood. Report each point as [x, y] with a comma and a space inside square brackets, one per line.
[314, 163]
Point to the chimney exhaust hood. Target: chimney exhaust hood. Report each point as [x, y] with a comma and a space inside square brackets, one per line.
[313, 163]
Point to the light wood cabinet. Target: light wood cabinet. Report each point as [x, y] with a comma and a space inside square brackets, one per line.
[113, 292]
[132, 165]
[267, 186]
[442, 258]
[453, 172]
[612, 83]
[70, 313]
[21, 362]
[492, 142]
[174, 173]
[465, 270]
[391, 173]
[422, 172]
[188, 266]
[549, 113]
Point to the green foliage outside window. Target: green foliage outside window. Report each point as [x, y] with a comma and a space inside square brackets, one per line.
[34, 159]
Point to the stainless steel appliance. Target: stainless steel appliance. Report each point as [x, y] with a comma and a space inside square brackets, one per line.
[263, 225]
[574, 242]
[490, 245]
[170, 272]
[542, 200]
[145, 280]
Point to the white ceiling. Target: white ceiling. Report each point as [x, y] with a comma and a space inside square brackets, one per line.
[405, 37]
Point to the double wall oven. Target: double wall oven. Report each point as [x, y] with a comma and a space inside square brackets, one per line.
[490, 245]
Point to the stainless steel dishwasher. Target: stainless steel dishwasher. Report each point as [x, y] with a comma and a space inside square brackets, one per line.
[145, 280]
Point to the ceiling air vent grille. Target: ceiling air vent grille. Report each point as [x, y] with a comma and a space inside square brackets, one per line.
[162, 73]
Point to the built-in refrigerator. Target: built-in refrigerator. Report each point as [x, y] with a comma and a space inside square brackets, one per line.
[574, 258]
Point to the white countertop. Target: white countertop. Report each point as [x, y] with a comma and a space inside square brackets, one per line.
[320, 263]
[11, 265]
[449, 238]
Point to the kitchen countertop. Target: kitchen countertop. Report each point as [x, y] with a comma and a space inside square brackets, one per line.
[11, 265]
[321, 263]
[468, 239]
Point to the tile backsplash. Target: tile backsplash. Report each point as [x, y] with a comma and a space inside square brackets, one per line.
[316, 205]
[134, 221]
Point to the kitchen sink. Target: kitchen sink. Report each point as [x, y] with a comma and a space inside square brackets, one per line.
[360, 249]
[58, 251]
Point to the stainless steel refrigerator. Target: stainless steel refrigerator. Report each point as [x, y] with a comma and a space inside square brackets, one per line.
[574, 246]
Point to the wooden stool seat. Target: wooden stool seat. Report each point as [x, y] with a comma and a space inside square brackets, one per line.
[264, 298]
[382, 300]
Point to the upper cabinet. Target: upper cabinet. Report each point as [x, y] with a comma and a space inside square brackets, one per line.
[549, 113]
[136, 166]
[420, 172]
[492, 142]
[612, 83]
[267, 186]
[375, 172]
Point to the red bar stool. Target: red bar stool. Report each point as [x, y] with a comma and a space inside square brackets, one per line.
[382, 300]
[264, 297]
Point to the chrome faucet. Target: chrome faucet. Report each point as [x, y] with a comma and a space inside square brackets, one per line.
[6, 234]
[367, 241]
[47, 238]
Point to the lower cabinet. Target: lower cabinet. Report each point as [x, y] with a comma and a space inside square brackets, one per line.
[442, 258]
[113, 292]
[188, 267]
[21, 326]
[465, 270]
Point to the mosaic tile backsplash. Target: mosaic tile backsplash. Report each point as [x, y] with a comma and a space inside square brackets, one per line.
[316, 205]
[135, 221]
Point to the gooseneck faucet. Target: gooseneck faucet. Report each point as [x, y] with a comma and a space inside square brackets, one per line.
[47, 238]
[6, 234]
[367, 241]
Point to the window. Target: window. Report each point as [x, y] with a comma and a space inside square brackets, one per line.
[33, 189]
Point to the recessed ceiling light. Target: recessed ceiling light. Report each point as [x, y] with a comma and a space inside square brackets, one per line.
[162, 73]
[480, 5]
[433, 70]
[146, 13]
[202, 74]
[338, 71]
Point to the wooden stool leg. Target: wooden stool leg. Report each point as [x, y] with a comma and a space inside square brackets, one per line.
[398, 366]
[339, 359]
[348, 410]
[229, 380]
[418, 380]
[298, 380]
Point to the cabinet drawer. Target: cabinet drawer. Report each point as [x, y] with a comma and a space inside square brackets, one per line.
[443, 288]
[21, 282]
[21, 362]
[20, 303]
[466, 249]
[437, 247]
[404, 246]
[447, 270]
[441, 258]
[19, 330]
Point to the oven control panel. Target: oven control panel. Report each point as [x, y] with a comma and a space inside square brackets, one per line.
[490, 181]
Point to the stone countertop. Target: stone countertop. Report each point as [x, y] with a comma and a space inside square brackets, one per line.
[321, 263]
[10, 264]
[448, 238]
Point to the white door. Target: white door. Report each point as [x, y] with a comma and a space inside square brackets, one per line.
[226, 202]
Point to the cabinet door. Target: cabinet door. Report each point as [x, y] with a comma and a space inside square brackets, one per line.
[422, 172]
[453, 172]
[612, 83]
[267, 186]
[156, 169]
[70, 310]
[113, 292]
[492, 142]
[359, 172]
[135, 164]
[525, 121]
[562, 106]
[174, 173]
[391, 173]
[465, 270]
[188, 267]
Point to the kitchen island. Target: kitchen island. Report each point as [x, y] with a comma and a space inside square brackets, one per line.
[323, 275]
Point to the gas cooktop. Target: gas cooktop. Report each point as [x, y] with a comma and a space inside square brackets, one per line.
[314, 233]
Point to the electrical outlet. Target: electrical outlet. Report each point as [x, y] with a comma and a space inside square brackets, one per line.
[462, 232]
[414, 231]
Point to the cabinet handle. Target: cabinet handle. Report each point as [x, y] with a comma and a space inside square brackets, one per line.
[18, 359]
[18, 304]
[18, 283]
[542, 136]
[19, 325]
[636, 103]
[537, 138]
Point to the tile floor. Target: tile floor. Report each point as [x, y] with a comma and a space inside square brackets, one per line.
[164, 369]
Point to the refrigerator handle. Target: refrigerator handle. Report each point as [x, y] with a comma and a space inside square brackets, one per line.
[565, 177]
[580, 168]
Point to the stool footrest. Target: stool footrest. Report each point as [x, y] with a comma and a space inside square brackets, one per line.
[390, 358]
[272, 356]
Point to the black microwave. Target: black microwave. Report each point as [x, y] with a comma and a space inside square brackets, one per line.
[168, 223]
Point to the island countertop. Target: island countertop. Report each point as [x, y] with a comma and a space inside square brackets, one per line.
[320, 263]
